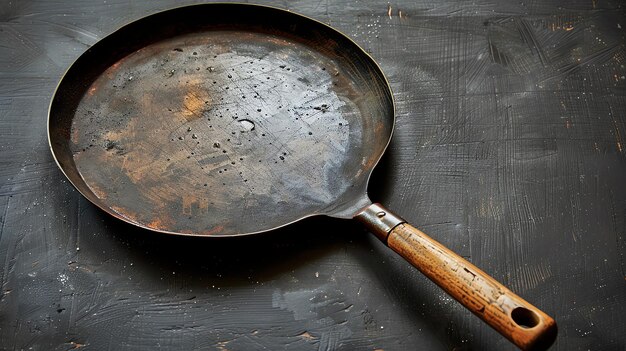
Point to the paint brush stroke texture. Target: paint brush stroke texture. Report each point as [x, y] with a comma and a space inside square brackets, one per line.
[509, 149]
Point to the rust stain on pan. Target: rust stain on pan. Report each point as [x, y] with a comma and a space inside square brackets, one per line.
[160, 223]
[194, 104]
[214, 231]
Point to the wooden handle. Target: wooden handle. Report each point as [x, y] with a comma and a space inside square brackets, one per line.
[513, 317]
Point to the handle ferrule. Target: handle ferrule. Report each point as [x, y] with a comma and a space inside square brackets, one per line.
[379, 220]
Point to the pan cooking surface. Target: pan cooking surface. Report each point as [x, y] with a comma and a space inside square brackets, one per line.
[227, 131]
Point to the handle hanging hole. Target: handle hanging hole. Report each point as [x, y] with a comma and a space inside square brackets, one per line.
[524, 317]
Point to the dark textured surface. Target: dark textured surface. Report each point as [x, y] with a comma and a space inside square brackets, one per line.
[509, 149]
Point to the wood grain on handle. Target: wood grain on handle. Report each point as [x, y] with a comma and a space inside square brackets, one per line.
[513, 317]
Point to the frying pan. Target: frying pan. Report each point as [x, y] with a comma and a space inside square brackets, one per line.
[231, 119]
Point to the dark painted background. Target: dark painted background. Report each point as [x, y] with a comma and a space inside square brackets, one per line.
[510, 148]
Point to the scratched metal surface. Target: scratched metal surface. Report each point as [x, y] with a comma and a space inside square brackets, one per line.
[509, 149]
[209, 120]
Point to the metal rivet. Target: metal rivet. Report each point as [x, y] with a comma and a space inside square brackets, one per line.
[380, 214]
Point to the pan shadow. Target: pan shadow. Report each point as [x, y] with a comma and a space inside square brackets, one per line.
[227, 261]
[382, 179]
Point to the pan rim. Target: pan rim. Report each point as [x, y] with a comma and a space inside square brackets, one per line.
[362, 201]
